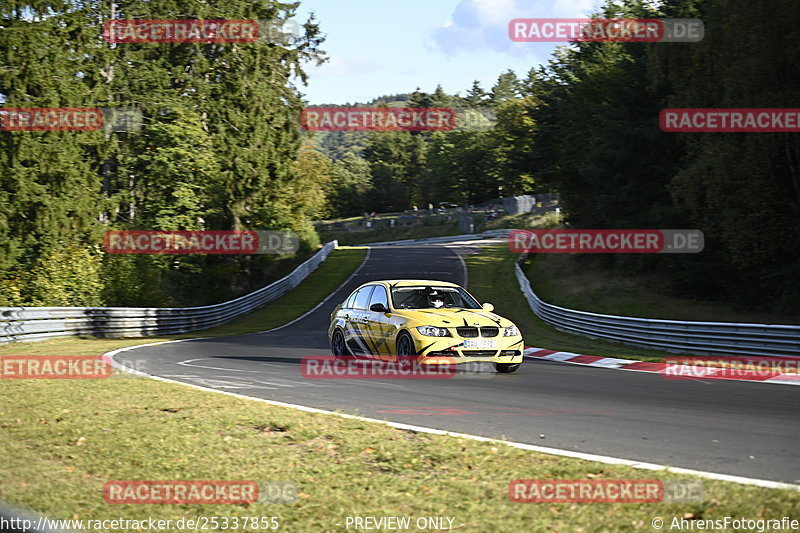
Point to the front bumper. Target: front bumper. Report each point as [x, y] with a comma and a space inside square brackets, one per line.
[449, 350]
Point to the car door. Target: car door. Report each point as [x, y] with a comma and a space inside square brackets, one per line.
[341, 317]
[377, 326]
[356, 318]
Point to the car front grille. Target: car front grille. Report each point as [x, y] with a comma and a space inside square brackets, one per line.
[486, 331]
[490, 331]
[467, 331]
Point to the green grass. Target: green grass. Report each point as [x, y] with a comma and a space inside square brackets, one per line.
[495, 263]
[547, 220]
[578, 282]
[62, 440]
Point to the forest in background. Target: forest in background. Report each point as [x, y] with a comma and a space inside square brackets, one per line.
[217, 151]
[221, 149]
[586, 126]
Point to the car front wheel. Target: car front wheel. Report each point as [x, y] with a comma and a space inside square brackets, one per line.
[406, 354]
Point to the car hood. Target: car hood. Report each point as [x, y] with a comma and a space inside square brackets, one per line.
[453, 318]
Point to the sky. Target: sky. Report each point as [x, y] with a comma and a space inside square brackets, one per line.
[379, 47]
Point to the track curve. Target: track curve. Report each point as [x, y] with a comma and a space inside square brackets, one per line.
[728, 427]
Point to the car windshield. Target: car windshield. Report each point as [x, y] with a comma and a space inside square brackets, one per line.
[424, 297]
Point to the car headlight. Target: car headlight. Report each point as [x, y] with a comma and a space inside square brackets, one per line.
[433, 331]
[511, 331]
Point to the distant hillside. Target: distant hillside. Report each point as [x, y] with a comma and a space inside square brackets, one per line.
[335, 144]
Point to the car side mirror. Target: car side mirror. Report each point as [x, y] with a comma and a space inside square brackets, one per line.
[488, 307]
[378, 308]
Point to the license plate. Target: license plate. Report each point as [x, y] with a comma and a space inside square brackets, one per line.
[480, 343]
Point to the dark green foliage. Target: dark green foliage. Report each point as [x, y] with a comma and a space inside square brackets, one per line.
[216, 151]
[598, 142]
[350, 186]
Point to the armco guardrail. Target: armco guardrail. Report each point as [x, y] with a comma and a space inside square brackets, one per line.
[702, 338]
[36, 323]
[444, 239]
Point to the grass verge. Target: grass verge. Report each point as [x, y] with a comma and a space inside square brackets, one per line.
[549, 220]
[62, 440]
[577, 281]
[329, 275]
[497, 262]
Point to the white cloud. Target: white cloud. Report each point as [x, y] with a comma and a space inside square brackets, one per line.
[483, 24]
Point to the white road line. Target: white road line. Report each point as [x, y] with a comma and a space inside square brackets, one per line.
[328, 297]
[188, 361]
[109, 357]
[273, 383]
[213, 383]
[463, 265]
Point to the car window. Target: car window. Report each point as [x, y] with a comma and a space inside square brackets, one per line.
[379, 296]
[351, 299]
[363, 297]
[420, 297]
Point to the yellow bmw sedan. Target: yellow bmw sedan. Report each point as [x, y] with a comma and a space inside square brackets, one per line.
[429, 322]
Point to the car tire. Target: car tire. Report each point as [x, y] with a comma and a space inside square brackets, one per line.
[406, 354]
[338, 346]
[506, 368]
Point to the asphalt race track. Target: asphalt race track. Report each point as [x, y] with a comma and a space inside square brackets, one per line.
[739, 428]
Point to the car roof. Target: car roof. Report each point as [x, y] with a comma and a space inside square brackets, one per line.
[413, 282]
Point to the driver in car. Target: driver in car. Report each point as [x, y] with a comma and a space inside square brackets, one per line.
[435, 300]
